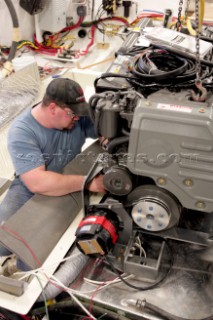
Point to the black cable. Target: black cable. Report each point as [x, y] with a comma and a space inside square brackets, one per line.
[187, 77]
[186, 55]
[158, 65]
[154, 285]
[114, 75]
[182, 81]
[15, 22]
[189, 74]
[142, 82]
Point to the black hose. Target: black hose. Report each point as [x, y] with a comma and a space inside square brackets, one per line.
[116, 142]
[15, 25]
[125, 132]
[92, 104]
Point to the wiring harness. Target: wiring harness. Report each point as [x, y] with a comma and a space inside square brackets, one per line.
[157, 65]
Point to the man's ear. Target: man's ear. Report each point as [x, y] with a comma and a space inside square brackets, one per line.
[52, 108]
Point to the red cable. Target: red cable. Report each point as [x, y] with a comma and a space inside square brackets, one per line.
[116, 19]
[81, 19]
[93, 295]
[24, 242]
[50, 50]
[85, 51]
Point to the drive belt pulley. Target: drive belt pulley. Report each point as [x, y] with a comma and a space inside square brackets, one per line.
[153, 208]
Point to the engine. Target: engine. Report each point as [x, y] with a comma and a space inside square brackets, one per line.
[158, 152]
[165, 139]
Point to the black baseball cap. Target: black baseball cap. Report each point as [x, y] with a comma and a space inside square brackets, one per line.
[68, 92]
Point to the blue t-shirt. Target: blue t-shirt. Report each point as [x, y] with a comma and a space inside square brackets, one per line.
[32, 145]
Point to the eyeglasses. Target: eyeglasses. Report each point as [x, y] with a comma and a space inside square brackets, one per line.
[71, 114]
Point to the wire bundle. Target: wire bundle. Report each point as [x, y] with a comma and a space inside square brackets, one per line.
[157, 65]
[162, 68]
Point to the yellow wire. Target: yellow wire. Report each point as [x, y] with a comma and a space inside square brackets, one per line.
[29, 43]
[201, 13]
[189, 27]
[188, 21]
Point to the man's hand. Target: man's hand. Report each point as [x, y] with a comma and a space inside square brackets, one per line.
[96, 185]
[103, 142]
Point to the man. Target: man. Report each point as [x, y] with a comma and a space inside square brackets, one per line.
[42, 140]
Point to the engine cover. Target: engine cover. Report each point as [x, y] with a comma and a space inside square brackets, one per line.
[171, 141]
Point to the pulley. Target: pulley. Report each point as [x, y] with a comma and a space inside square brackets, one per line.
[153, 208]
[118, 180]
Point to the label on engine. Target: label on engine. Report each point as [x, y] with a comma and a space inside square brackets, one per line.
[174, 107]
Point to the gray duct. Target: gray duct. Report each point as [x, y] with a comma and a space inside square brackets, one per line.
[66, 274]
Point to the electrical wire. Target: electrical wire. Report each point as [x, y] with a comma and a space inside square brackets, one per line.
[20, 238]
[97, 309]
[41, 269]
[44, 297]
[154, 285]
[115, 75]
[50, 46]
[138, 244]
[102, 285]
[107, 283]
[151, 15]
[157, 65]
[17, 236]
[70, 292]
[52, 279]
[140, 74]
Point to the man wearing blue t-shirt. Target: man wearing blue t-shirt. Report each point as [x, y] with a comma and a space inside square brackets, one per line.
[42, 140]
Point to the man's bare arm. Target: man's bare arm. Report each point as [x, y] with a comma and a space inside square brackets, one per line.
[51, 183]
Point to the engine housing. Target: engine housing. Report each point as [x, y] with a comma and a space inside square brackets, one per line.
[171, 141]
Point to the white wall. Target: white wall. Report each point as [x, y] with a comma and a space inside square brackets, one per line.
[27, 23]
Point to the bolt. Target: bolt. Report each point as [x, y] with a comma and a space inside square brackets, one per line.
[200, 204]
[161, 181]
[202, 110]
[188, 182]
